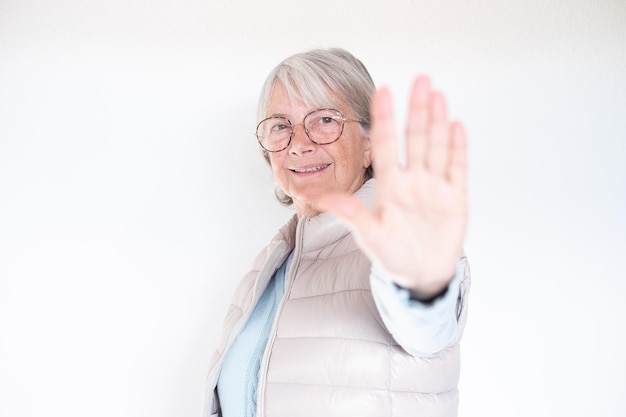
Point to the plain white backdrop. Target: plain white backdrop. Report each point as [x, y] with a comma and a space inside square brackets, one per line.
[133, 196]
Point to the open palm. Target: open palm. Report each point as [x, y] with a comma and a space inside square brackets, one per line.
[415, 232]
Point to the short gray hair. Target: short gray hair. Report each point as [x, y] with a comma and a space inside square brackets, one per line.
[309, 76]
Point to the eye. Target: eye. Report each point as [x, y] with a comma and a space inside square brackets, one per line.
[326, 120]
[278, 126]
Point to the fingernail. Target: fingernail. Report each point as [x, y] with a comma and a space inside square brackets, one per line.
[421, 89]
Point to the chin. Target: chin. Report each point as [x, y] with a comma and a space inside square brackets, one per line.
[308, 195]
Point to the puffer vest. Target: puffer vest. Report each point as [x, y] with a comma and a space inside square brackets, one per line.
[329, 352]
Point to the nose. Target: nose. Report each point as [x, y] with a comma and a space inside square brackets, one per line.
[300, 141]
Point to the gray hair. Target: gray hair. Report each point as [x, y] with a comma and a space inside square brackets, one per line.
[310, 76]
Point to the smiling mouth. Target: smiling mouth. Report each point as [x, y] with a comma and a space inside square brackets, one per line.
[311, 169]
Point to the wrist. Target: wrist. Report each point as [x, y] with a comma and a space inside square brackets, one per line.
[425, 297]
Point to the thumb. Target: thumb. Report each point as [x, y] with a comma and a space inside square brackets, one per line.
[350, 210]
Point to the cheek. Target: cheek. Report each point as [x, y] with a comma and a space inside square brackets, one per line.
[274, 161]
[348, 165]
[355, 157]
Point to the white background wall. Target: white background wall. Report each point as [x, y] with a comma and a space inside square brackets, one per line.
[130, 178]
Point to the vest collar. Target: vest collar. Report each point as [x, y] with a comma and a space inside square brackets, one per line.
[324, 229]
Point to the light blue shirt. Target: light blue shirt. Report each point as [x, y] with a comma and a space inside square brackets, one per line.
[239, 375]
[421, 329]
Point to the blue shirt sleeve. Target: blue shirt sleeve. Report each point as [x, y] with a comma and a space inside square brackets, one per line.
[422, 329]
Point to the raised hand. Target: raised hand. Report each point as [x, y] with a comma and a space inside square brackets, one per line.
[416, 230]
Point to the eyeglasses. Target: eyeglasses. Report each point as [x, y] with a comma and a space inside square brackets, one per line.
[322, 126]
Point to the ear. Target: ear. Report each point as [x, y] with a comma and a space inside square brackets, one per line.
[367, 154]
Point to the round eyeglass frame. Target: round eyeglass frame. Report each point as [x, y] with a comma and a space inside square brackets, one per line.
[293, 130]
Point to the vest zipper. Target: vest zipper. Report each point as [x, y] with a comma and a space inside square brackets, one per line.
[289, 278]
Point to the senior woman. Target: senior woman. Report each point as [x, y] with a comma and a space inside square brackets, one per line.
[357, 305]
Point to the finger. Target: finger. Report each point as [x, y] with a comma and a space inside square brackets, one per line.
[458, 156]
[383, 135]
[417, 122]
[438, 136]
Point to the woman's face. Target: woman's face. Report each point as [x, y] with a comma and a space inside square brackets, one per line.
[339, 166]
